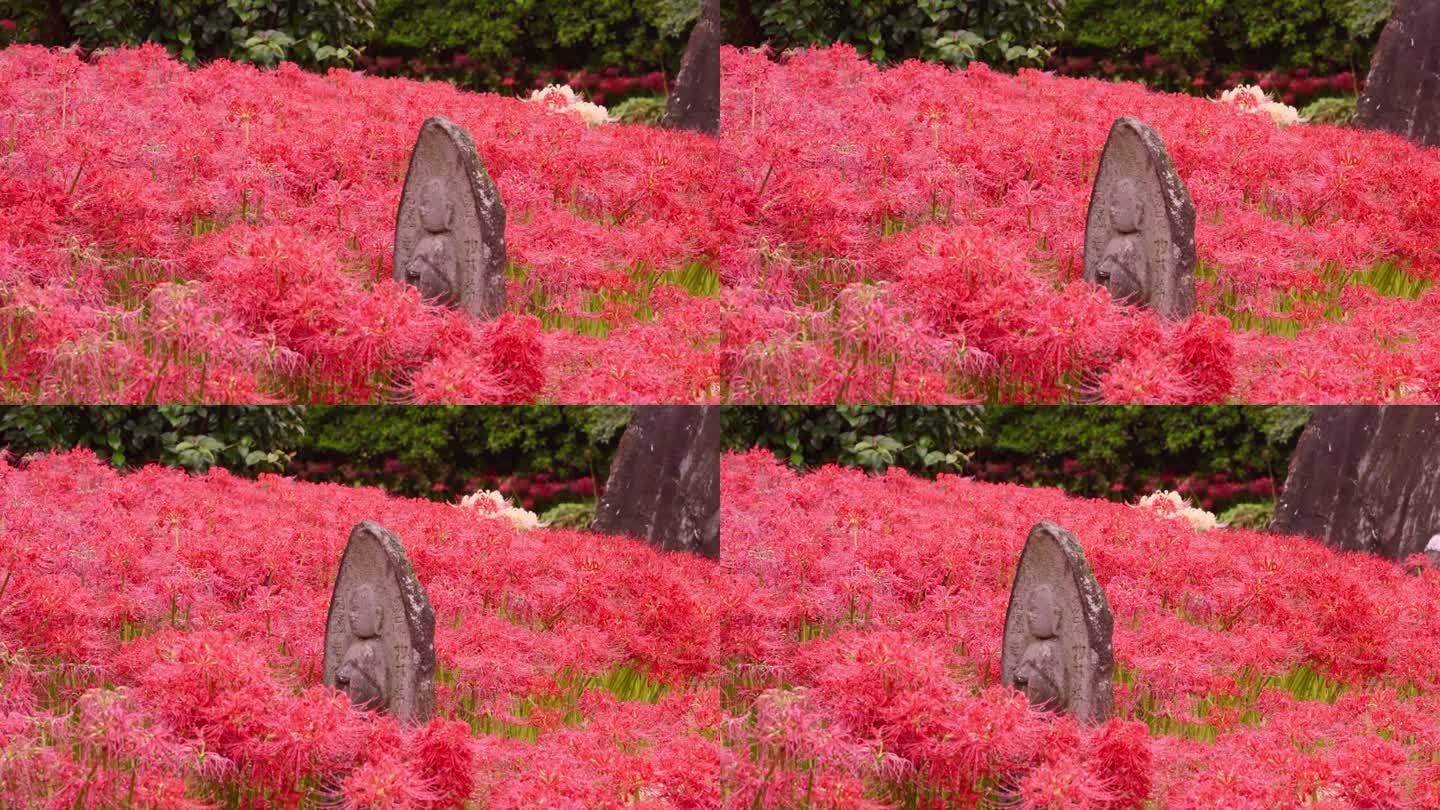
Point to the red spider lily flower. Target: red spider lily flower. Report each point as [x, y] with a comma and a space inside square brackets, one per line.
[224, 234]
[929, 189]
[187, 653]
[884, 644]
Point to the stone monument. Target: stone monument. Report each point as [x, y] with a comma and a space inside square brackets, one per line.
[1402, 92]
[694, 101]
[1140, 229]
[664, 484]
[1057, 647]
[380, 632]
[450, 230]
[1365, 478]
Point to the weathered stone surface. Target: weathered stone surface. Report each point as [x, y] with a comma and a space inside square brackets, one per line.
[664, 482]
[450, 230]
[1402, 93]
[1140, 230]
[1366, 478]
[694, 101]
[1058, 627]
[380, 632]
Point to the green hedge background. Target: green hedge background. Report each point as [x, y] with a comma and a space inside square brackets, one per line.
[411, 450]
[1097, 451]
[554, 458]
[632, 37]
[438, 452]
[1322, 35]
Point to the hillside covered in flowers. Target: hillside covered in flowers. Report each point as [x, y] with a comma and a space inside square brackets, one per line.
[916, 234]
[226, 234]
[1252, 670]
[161, 640]
[856, 233]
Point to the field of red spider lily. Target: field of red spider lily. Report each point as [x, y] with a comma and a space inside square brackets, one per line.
[161, 639]
[226, 234]
[906, 234]
[1252, 670]
[916, 234]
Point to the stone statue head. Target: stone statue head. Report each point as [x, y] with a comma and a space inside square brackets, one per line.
[1127, 208]
[1043, 613]
[436, 209]
[366, 613]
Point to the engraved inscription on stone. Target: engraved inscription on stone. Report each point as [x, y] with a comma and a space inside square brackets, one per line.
[694, 103]
[450, 229]
[380, 632]
[1402, 92]
[1140, 231]
[664, 484]
[1057, 647]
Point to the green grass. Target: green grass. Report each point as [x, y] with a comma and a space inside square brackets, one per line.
[625, 682]
[855, 616]
[1386, 278]
[1003, 385]
[64, 682]
[313, 385]
[696, 277]
[57, 692]
[738, 690]
[1302, 682]
[826, 279]
[133, 278]
[935, 214]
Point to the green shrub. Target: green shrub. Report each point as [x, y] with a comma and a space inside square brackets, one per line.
[1249, 515]
[1339, 111]
[925, 439]
[435, 452]
[571, 515]
[246, 439]
[998, 32]
[1110, 451]
[1196, 438]
[438, 451]
[28, 18]
[640, 110]
[519, 38]
[1320, 35]
[315, 33]
[1116, 452]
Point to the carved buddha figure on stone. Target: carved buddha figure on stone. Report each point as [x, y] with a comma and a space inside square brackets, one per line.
[1124, 266]
[1041, 674]
[434, 267]
[363, 673]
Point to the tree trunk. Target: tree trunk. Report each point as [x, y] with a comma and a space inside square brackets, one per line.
[56, 32]
[746, 30]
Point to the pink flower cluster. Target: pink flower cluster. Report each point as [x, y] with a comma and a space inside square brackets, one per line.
[918, 232]
[1253, 670]
[907, 234]
[226, 234]
[161, 638]
[160, 644]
